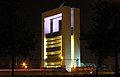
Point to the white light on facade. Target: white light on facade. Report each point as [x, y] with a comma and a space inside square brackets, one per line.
[47, 23]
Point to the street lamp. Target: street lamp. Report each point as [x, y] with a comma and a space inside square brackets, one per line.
[24, 65]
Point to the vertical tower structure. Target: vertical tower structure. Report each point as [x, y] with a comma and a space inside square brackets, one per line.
[60, 38]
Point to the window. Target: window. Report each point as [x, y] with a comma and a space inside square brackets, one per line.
[53, 23]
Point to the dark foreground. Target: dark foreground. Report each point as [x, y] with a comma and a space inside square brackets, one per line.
[48, 73]
[74, 75]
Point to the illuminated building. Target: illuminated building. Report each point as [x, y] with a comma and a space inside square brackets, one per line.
[60, 38]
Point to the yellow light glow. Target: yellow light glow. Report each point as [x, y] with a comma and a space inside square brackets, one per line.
[45, 48]
[26, 66]
[61, 60]
[52, 42]
[61, 46]
[72, 50]
[61, 57]
[54, 38]
[51, 46]
[55, 52]
[52, 63]
[52, 53]
[23, 64]
[56, 66]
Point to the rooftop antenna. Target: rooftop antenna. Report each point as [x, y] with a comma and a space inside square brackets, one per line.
[62, 4]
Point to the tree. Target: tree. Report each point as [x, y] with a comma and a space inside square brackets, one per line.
[115, 31]
[15, 38]
[104, 37]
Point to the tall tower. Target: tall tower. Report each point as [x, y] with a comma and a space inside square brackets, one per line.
[60, 38]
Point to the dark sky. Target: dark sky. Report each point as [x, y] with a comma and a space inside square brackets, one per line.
[31, 11]
[29, 14]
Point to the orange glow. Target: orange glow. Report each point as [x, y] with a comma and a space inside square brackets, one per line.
[23, 64]
[26, 66]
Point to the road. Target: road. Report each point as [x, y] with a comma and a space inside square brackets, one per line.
[35, 72]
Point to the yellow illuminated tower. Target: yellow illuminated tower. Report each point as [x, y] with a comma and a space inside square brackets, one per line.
[60, 38]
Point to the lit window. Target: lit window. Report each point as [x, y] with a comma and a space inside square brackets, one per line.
[56, 24]
[52, 23]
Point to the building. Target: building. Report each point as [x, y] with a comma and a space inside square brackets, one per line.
[60, 38]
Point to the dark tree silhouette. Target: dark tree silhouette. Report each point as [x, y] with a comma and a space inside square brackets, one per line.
[15, 38]
[104, 38]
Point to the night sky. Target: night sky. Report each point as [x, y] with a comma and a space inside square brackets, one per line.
[29, 14]
[30, 11]
[36, 8]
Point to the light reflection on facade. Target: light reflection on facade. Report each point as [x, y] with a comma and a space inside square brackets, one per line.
[61, 28]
